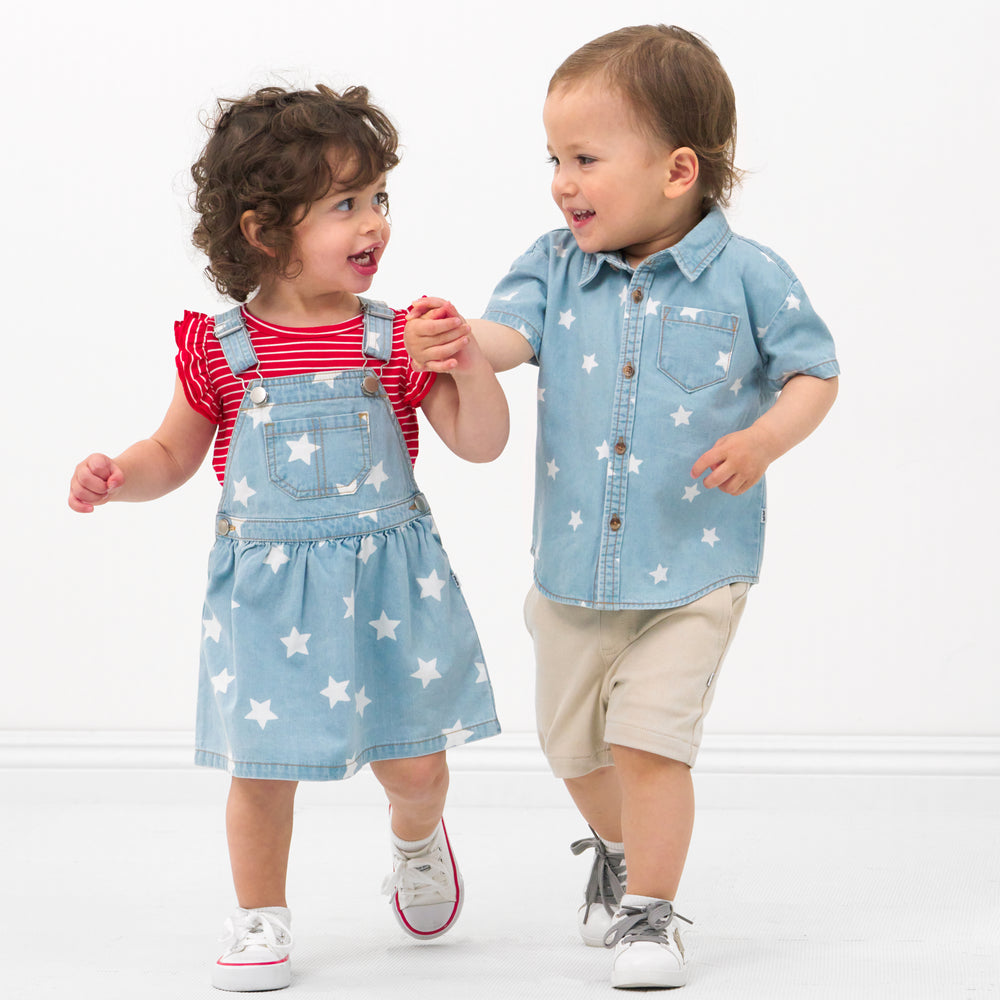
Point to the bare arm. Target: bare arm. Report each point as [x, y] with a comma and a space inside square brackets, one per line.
[739, 460]
[150, 468]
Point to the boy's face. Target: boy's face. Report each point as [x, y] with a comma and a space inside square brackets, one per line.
[610, 178]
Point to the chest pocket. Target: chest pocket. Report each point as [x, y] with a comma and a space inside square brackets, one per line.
[310, 457]
[696, 346]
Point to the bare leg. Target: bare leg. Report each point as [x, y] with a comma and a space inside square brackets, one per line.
[657, 820]
[259, 829]
[598, 796]
[416, 788]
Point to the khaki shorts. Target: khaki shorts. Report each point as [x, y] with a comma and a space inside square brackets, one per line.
[642, 679]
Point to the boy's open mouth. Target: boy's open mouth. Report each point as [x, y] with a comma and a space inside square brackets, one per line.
[581, 216]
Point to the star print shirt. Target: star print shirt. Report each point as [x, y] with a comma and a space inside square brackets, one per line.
[642, 370]
[213, 391]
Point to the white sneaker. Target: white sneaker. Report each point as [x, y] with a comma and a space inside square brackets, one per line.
[426, 889]
[257, 943]
[648, 949]
[603, 892]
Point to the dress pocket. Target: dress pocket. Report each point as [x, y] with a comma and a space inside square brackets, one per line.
[696, 346]
[310, 457]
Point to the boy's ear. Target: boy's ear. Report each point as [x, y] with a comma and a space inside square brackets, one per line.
[250, 227]
[681, 173]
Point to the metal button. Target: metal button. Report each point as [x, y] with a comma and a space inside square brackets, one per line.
[370, 385]
[628, 371]
[223, 526]
[258, 395]
[637, 295]
[620, 446]
[615, 523]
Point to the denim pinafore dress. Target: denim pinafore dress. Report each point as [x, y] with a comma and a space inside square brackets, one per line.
[335, 632]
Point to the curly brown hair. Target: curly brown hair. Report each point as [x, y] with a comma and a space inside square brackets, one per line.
[677, 90]
[267, 153]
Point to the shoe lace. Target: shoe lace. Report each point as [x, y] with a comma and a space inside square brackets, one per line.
[642, 923]
[256, 928]
[606, 884]
[419, 880]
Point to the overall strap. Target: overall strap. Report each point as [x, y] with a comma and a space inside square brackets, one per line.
[378, 319]
[232, 335]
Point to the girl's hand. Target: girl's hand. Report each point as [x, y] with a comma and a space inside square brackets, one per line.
[95, 480]
[435, 334]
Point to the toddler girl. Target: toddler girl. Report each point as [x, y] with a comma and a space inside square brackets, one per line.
[335, 633]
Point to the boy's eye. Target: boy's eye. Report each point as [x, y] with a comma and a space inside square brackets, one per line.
[346, 205]
[585, 160]
[553, 161]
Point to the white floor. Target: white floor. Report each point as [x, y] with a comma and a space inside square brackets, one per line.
[118, 891]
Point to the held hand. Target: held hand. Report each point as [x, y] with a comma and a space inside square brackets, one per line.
[435, 334]
[95, 480]
[737, 461]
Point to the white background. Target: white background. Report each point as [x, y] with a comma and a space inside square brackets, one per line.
[870, 134]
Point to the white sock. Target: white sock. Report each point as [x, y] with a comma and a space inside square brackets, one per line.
[414, 846]
[613, 847]
[632, 899]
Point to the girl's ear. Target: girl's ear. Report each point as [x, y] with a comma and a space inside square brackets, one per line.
[250, 227]
[681, 173]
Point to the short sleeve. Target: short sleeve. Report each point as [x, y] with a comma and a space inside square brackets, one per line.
[191, 334]
[796, 341]
[519, 300]
[418, 384]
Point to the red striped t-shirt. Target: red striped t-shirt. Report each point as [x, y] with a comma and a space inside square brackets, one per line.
[213, 390]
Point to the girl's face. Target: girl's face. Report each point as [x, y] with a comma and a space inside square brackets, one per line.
[341, 240]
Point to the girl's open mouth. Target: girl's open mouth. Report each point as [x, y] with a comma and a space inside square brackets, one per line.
[365, 262]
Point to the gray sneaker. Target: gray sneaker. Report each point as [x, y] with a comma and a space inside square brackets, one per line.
[649, 953]
[603, 892]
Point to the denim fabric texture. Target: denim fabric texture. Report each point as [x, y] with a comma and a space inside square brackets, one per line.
[642, 370]
[335, 632]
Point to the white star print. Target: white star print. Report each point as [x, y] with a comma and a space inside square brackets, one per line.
[260, 712]
[242, 492]
[351, 767]
[681, 416]
[329, 379]
[260, 414]
[361, 703]
[222, 681]
[427, 671]
[690, 312]
[709, 536]
[351, 487]
[652, 307]
[603, 451]
[634, 463]
[562, 249]
[690, 492]
[302, 450]
[575, 521]
[507, 297]
[237, 523]
[481, 677]
[431, 586]
[765, 256]
[724, 360]
[566, 318]
[589, 362]
[336, 691]
[761, 330]
[736, 386]
[276, 557]
[553, 468]
[541, 395]
[367, 549]
[792, 302]
[377, 477]
[295, 642]
[456, 735]
[385, 627]
[624, 294]
[213, 628]
[659, 574]
[349, 601]
[372, 515]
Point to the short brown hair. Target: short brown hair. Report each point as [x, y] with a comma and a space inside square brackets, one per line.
[678, 92]
[267, 153]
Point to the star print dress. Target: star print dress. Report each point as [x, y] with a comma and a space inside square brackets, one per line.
[335, 630]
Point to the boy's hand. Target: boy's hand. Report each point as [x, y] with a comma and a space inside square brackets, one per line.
[737, 461]
[95, 480]
[435, 335]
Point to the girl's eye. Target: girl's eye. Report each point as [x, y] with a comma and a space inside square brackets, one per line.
[382, 201]
[553, 161]
[346, 205]
[585, 160]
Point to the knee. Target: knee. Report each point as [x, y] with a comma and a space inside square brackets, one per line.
[414, 777]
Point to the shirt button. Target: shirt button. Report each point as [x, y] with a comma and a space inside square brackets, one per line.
[628, 371]
[637, 295]
[620, 446]
[615, 523]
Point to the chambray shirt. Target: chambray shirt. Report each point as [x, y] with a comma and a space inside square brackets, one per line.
[641, 370]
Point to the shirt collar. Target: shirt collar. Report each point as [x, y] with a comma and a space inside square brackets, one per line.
[692, 255]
